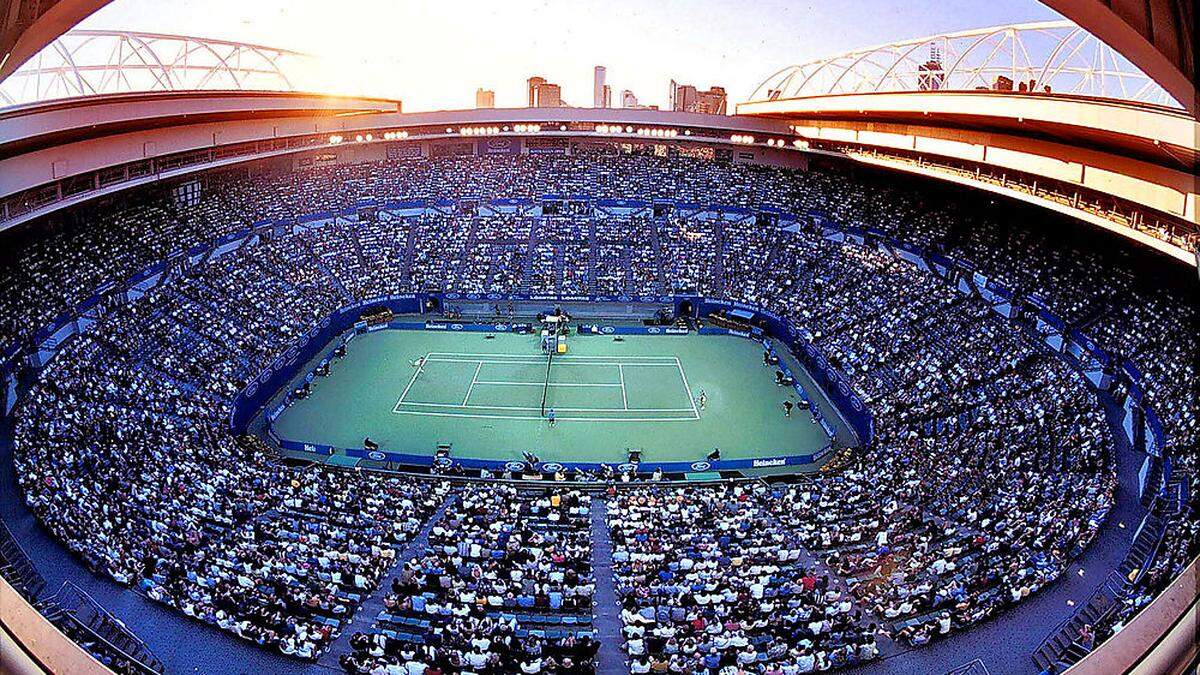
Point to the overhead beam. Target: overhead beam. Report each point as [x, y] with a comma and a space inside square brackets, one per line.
[29, 25]
[1155, 35]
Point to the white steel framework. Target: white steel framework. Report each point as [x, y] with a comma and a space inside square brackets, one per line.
[1055, 54]
[87, 62]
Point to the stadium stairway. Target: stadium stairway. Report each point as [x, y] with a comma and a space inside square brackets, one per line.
[717, 274]
[409, 250]
[333, 278]
[656, 246]
[471, 239]
[627, 265]
[817, 564]
[1060, 648]
[525, 284]
[593, 252]
[372, 606]
[611, 658]
[559, 266]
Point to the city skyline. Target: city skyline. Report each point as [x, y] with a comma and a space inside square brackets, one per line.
[414, 51]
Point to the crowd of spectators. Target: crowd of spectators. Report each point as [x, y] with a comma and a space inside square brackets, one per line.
[709, 581]
[504, 585]
[134, 470]
[993, 464]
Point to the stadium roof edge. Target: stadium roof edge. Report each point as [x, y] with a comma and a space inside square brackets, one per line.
[32, 127]
[1123, 127]
[29, 25]
[1158, 36]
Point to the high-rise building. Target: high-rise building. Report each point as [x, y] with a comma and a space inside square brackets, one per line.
[712, 102]
[485, 98]
[931, 75]
[543, 94]
[549, 96]
[686, 98]
[629, 100]
[598, 87]
[534, 82]
[607, 96]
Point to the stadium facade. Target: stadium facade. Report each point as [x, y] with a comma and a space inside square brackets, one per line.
[1124, 168]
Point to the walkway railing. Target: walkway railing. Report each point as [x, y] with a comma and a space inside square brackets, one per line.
[86, 621]
[17, 568]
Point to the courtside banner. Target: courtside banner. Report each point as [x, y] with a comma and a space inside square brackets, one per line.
[424, 460]
[603, 329]
[498, 146]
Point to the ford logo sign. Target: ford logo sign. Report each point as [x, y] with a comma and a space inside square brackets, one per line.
[376, 455]
[654, 330]
[456, 326]
[442, 461]
[552, 467]
[609, 330]
[626, 467]
[514, 466]
[701, 466]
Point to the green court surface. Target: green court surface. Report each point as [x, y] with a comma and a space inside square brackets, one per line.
[410, 391]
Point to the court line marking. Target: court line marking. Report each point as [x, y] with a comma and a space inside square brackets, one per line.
[566, 357]
[610, 362]
[525, 407]
[474, 379]
[552, 384]
[538, 418]
[618, 361]
[687, 388]
[624, 398]
[411, 382]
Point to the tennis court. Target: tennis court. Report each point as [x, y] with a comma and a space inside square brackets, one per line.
[623, 389]
[482, 394]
